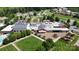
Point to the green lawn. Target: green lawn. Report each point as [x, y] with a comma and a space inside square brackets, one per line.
[62, 45]
[29, 44]
[8, 48]
[78, 22]
[64, 17]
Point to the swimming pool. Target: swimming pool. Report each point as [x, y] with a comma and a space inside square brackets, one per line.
[2, 37]
[1, 40]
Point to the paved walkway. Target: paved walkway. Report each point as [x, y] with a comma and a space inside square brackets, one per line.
[56, 39]
[21, 39]
[44, 40]
[5, 45]
[18, 49]
[38, 37]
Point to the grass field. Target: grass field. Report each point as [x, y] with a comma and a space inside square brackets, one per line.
[64, 17]
[32, 43]
[8, 48]
[63, 45]
[29, 44]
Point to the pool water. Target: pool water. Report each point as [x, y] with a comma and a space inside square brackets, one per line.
[1, 40]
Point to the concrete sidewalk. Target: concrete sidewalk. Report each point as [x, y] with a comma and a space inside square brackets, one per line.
[38, 37]
[55, 40]
[18, 49]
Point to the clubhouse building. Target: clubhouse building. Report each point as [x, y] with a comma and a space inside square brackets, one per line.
[40, 27]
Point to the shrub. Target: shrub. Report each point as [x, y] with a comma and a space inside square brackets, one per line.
[75, 23]
[28, 32]
[68, 21]
[18, 34]
[6, 41]
[25, 33]
[48, 44]
[57, 19]
[22, 34]
[55, 35]
[12, 37]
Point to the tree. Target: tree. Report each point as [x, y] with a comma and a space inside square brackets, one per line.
[51, 42]
[28, 20]
[23, 33]
[68, 21]
[75, 23]
[6, 21]
[11, 16]
[21, 17]
[53, 15]
[6, 41]
[57, 19]
[55, 35]
[50, 18]
[44, 17]
[28, 32]
[48, 44]
[35, 14]
[12, 37]
[18, 34]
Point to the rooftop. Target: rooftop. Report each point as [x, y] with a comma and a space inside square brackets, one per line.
[8, 28]
[1, 24]
[22, 25]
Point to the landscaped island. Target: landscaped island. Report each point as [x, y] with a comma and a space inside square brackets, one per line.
[39, 29]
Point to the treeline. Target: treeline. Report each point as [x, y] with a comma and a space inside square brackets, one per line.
[6, 11]
[74, 9]
[16, 35]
